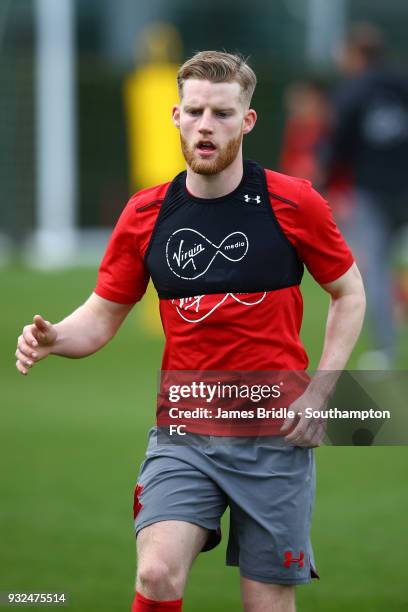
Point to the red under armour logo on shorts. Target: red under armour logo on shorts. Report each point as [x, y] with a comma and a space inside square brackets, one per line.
[137, 506]
[289, 559]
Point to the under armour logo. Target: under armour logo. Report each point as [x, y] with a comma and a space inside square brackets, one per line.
[256, 199]
[289, 559]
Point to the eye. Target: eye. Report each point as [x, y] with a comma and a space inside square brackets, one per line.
[222, 114]
[194, 112]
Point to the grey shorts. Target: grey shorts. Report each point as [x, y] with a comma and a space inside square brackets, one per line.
[268, 486]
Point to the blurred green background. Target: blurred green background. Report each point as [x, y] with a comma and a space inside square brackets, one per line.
[281, 38]
[73, 434]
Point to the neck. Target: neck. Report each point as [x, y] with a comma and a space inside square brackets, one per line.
[215, 185]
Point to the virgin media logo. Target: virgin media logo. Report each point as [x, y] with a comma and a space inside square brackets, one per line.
[200, 307]
[189, 253]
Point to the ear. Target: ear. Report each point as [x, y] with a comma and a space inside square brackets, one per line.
[249, 121]
[175, 114]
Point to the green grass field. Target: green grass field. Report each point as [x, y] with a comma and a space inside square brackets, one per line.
[73, 434]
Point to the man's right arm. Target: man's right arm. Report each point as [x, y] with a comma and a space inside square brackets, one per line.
[82, 333]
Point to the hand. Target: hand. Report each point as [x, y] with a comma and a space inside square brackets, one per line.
[308, 432]
[35, 343]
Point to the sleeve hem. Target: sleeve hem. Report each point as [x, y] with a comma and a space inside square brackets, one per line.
[335, 273]
[115, 296]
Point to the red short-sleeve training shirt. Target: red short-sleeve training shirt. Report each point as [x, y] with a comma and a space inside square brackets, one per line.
[257, 331]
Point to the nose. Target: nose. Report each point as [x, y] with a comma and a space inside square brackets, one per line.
[205, 126]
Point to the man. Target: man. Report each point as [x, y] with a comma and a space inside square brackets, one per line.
[225, 244]
[369, 144]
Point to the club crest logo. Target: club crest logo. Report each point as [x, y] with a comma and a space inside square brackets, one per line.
[189, 253]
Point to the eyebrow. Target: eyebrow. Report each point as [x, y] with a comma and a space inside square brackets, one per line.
[189, 107]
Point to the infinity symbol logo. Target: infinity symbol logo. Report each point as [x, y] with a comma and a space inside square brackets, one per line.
[196, 309]
[189, 253]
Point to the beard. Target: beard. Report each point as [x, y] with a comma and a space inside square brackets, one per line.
[209, 167]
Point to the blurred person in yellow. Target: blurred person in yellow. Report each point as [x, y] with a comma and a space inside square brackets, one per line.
[369, 146]
[225, 243]
[154, 148]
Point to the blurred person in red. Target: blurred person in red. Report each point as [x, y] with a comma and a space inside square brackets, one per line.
[225, 243]
[308, 119]
[368, 147]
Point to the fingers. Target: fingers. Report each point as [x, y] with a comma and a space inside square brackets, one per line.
[299, 436]
[23, 362]
[318, 436]
[30, 334]
[308, 434]
[40, 323]
[21, 368]
[24, 349]
[40, 328]
[28, 349]
[287, 424]
[299, 433]
[309, 438]
[37, 333]
[305, 432]
[25, 355]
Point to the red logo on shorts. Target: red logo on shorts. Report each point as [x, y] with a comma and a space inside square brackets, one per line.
[289, 559]
[137, 506]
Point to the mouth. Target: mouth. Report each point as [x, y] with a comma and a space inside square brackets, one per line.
[206, 147]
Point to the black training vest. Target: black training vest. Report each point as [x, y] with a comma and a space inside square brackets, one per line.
[232, 244]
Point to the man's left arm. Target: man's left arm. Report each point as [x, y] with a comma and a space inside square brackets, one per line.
[343, 327]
